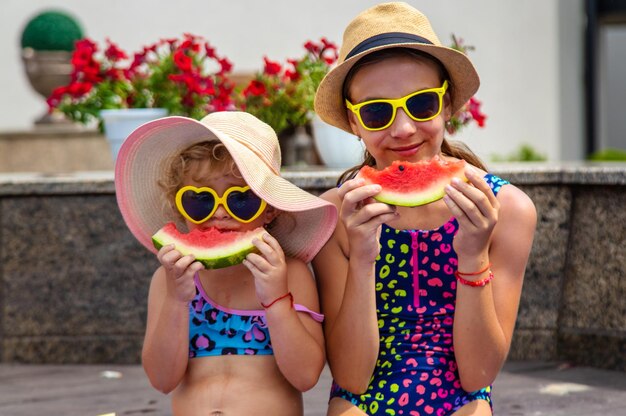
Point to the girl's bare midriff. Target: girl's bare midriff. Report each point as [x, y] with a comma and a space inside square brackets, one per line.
[235, 385]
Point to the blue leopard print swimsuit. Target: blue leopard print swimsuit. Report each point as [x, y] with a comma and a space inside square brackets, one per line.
[216, 330]
[416, 371]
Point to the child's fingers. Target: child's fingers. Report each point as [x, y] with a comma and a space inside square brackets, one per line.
[350, 185]
[478, 181]
[255, 263]
[183, 264]
[164, 250]
[462, 207]
[194, 268]
[269, 248]
[169, 257]
[476, 199]
[272, 242]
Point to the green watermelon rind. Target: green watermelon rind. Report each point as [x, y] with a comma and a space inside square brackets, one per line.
[407, 199]
[215, 257]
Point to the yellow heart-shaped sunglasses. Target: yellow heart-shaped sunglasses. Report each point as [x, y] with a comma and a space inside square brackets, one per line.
[199, 204]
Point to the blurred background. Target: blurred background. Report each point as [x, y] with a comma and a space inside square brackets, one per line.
[551, 70]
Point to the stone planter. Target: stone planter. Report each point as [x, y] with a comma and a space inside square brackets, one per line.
[336, 148]
[47, 70]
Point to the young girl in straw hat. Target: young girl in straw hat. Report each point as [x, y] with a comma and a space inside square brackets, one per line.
[420, 302]
[245, 339]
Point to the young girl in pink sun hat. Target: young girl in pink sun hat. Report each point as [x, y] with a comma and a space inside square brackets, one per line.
[243, 339]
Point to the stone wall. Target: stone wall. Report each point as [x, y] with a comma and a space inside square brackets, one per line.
[74, 282]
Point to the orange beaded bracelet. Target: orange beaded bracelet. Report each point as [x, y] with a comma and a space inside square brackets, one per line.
[288, 294]
[477, 283]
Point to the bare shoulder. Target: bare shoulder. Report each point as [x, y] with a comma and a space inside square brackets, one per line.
[332, 195]
[515, 202]
[298, 268]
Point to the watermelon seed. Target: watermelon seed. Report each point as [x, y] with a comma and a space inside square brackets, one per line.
[401, 168]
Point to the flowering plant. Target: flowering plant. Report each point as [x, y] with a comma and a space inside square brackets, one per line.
[184, 76]
[471, 109]
[282, 95]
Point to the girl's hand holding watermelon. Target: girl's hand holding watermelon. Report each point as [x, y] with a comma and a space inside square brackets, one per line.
[179, 271]
[475, 207]
[363, 216]
[269, 269]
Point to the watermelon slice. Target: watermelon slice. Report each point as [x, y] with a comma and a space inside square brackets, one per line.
[212, 247]
[412, 184]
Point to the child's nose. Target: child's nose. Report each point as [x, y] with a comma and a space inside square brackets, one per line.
[403, 125]
[221, 213]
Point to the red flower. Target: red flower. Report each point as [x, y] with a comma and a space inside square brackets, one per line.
[209, 50]
[473, 107]
[113, 52]
[82, 56]
[89, 73]
[182, 61]
[55, 98]
[78, 89]
[291, 75]
[327, 44]
[271, 67]
[225, 66]
[312, 47]
[255, 88]
[190, 44]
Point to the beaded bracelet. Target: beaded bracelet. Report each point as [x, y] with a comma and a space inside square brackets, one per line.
[477, 283]
[288, 294]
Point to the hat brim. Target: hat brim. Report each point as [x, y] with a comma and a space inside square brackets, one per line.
[329, 104]
[306, 221]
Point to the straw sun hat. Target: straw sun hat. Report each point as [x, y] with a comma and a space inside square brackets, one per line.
[302, 230]
[390, 25]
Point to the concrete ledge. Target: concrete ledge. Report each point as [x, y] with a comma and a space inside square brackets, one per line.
[66, 148]
[73, 281]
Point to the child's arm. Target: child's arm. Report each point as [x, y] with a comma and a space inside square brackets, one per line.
[297, 339]
[166, 344]
[497, 232]
[345, 272]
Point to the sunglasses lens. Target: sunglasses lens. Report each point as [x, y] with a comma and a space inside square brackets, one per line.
[423, 106]
[198, 205]
[244, 205]
[376, 115]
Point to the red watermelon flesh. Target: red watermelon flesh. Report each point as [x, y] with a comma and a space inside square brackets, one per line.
[212, 247]
[412, 184]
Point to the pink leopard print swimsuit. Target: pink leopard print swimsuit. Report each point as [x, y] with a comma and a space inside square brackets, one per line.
[416, 371]
[217, 330]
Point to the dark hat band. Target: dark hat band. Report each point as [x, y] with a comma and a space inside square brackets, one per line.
[385, 39]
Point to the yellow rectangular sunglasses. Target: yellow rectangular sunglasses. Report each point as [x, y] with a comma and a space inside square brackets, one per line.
[379, 114]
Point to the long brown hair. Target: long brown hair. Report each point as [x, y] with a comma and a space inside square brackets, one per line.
[450, 148]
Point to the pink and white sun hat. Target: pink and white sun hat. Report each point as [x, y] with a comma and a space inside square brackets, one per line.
[302, 229]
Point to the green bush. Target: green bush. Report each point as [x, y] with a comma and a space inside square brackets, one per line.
[608, 155]
[51, 31]
[525, 153]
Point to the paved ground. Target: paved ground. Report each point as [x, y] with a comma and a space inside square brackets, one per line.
[522, 389]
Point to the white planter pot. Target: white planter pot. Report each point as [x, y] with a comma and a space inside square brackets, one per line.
[337, 148]
[119, 123]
